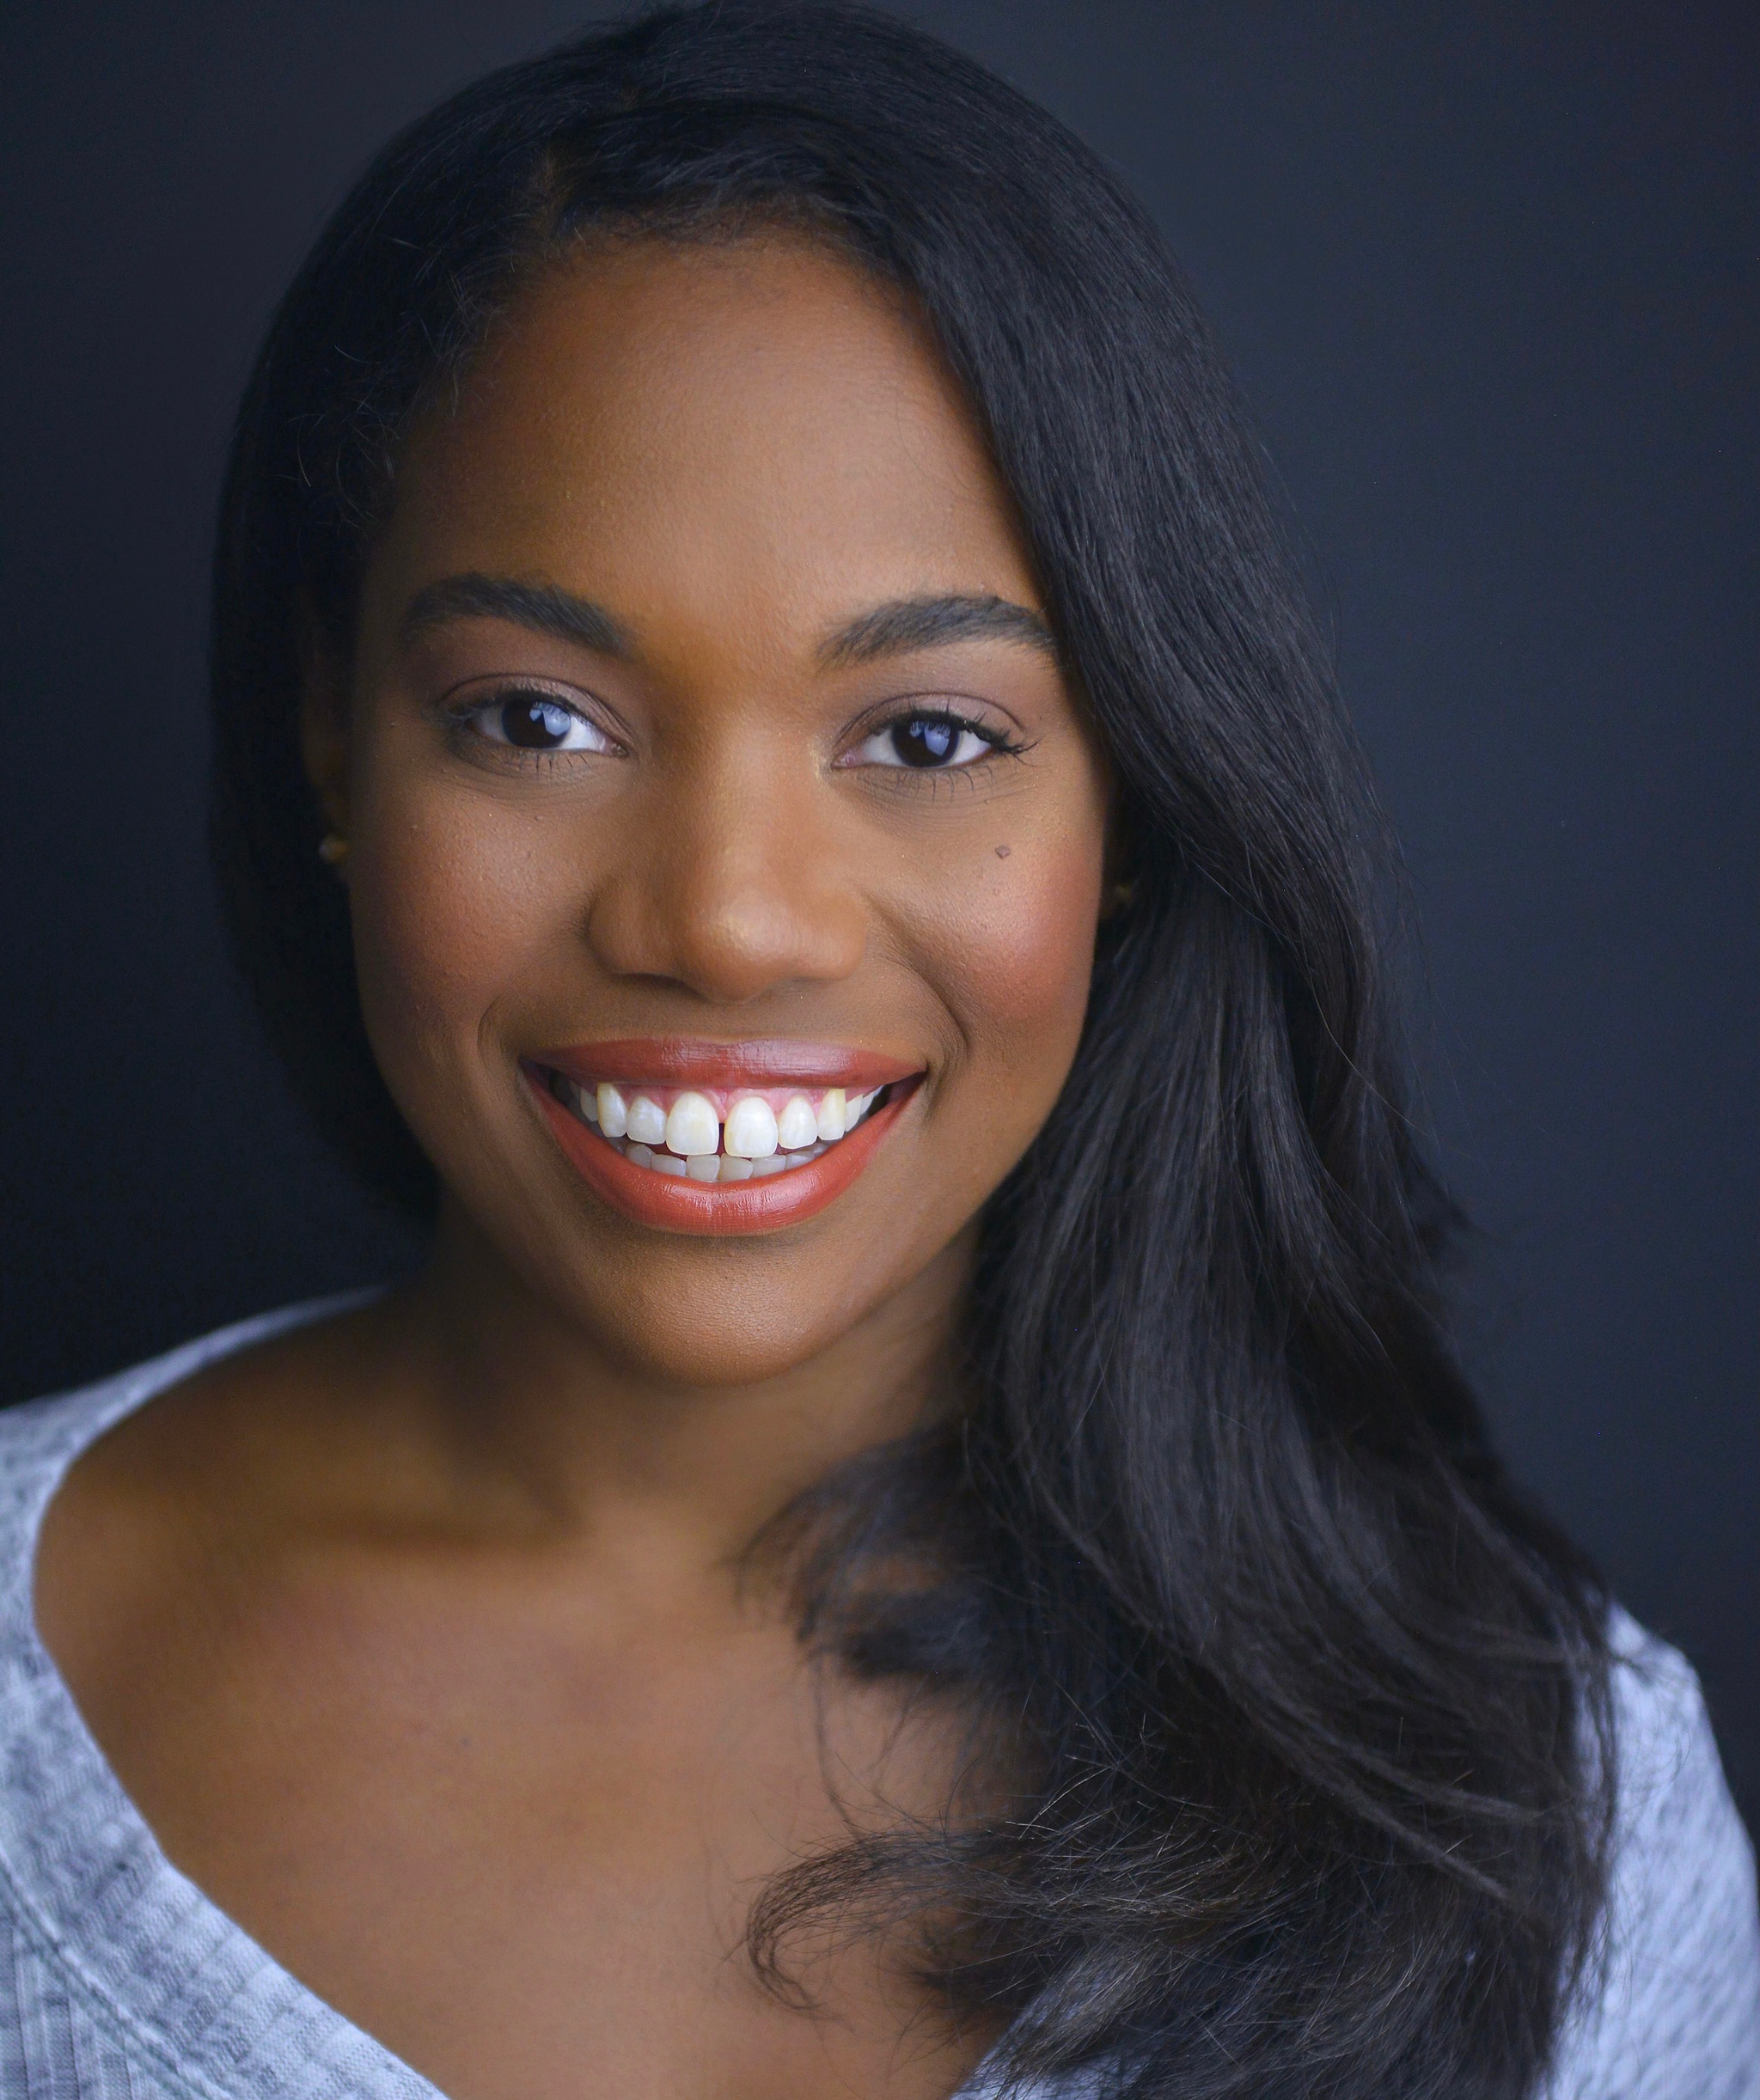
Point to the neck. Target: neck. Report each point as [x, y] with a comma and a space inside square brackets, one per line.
[535, 1422]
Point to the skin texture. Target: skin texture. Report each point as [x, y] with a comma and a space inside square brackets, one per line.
[421, 1638]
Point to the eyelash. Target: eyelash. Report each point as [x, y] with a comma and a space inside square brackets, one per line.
[464, 718]
[999, 743]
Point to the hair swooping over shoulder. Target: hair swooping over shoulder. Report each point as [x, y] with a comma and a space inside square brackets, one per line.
[1305, 1708]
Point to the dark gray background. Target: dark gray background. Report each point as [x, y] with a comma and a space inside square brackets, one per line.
[1488, 273]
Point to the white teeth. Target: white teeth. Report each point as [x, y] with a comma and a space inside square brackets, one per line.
[693, 1127]
[647, 1121]
[756, 1142]
[798, 1126]
[751, 1129]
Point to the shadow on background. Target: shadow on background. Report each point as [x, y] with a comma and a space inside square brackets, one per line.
[1487, 274]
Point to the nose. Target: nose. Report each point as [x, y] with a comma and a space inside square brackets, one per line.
[730, 889]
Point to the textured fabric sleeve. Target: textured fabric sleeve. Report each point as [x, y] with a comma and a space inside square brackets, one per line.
[1674, 2011]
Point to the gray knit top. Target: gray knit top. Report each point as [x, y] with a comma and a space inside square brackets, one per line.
[121, 1980]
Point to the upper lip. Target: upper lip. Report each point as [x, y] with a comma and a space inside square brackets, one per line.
[764, 1061]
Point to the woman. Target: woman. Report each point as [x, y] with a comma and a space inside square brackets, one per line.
[920, 1529]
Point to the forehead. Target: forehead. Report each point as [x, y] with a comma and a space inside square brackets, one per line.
[710, 431]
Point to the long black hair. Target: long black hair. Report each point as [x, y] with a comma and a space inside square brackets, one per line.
[1304, 1709]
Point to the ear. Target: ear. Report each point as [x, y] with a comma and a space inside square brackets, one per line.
[324, 725]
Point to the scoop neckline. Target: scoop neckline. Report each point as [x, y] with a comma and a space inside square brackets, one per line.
[176, 1982]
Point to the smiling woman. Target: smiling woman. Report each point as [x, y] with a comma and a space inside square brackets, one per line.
[920, 1530]
[698, 663]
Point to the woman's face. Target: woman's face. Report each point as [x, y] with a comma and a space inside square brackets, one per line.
[707, 770]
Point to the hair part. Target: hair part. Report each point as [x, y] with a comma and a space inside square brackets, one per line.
[1308, 1706]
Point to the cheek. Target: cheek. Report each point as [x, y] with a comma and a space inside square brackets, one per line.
[1017, 957]
[452, 906]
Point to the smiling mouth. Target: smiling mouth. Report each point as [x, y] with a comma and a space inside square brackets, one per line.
[719, 1137]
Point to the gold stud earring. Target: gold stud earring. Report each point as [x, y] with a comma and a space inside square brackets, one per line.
[1120, 897]
[332, 849]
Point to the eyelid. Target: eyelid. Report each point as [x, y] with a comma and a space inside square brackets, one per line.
[983, 718]
[470, 696]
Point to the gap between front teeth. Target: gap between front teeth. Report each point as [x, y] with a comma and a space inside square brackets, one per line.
[689, 1141]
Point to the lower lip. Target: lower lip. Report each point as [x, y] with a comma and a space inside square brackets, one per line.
[713, 1209]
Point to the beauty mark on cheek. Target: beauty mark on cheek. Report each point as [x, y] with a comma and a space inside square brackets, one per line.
[1002, 852]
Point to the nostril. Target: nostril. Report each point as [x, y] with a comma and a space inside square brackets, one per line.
[725, 948]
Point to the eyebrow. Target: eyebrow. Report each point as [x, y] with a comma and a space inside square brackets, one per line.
[546, 608]
[928, 623]
[890, 630]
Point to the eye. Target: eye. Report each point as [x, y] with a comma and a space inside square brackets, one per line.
[532, 718]
[926, 743]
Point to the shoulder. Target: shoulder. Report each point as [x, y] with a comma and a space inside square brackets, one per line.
[35, 1434]
[40, 1440]
[114, 1970]
[1672, 2005]
[102, 1489]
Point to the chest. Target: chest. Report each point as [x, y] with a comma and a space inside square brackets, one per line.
[522, 1849]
